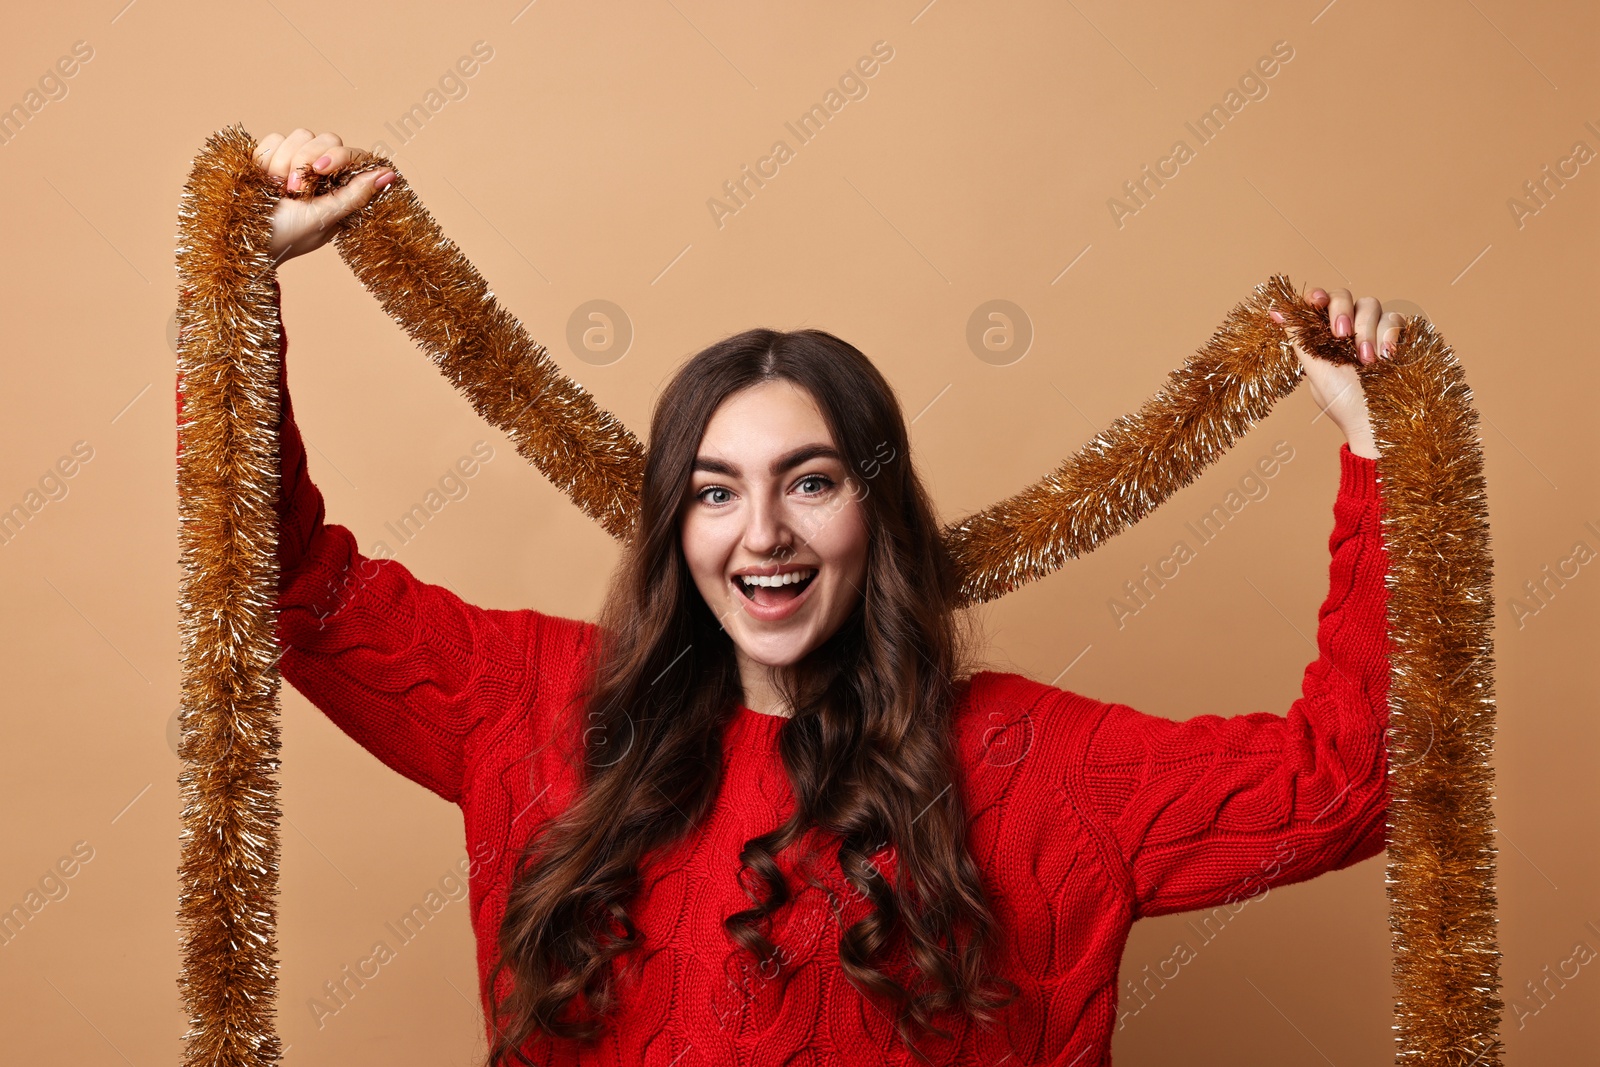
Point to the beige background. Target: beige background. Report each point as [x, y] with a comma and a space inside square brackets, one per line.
[577, 166]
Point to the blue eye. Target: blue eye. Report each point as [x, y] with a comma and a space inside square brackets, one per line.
[824, 479]
[822, 484]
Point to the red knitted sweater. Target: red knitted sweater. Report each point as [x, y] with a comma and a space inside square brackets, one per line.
[1085, 815]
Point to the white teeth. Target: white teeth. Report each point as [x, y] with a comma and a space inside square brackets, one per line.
[777, 579]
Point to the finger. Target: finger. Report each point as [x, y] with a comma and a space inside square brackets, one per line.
[1316, 298]
[351, 197]
[1277, 316]
[262, 153]
[1389, 332]
[284, 153]
[332, 159]
[1368, 312]
[1340, 310]
[308, 153]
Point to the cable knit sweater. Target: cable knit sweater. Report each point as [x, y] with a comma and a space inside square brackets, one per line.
[1085, 815]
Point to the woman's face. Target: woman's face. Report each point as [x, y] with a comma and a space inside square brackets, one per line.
[771, 497]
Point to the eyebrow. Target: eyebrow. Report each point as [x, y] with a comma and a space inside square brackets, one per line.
[803, 454]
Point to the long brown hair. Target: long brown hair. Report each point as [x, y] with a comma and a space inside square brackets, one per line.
[867, 748]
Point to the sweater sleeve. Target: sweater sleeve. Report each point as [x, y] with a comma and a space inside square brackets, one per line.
[407, 669]
[1212, 810]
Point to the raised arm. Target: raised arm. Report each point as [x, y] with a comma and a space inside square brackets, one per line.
[1213, 810]
[409, 670]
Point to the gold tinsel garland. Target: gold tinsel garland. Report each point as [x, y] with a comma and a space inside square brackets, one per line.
[1441, 854]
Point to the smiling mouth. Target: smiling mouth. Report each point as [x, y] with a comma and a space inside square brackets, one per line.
[770, 591]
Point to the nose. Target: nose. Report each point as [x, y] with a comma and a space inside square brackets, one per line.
[767, 533]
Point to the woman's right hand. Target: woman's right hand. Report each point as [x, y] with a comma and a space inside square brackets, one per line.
[301, 226]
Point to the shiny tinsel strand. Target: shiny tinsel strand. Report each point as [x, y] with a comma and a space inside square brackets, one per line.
[227, 482]
[426, 285]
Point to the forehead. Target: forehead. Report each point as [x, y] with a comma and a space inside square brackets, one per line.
[764, 420]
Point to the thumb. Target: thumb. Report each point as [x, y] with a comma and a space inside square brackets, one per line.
[1294, 336]
[358, 191]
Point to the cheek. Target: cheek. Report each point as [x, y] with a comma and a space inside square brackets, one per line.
[843, 541]
[693, 547]
[700, 550]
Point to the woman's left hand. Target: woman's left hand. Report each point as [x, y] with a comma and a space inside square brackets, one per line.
[1336, 387]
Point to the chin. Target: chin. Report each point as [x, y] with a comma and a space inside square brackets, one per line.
[776, 651]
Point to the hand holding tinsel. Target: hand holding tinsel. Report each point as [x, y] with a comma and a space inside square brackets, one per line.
[1335, 377]
[309, 211]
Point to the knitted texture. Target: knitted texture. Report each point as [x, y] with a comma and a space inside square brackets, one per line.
[1085, 815]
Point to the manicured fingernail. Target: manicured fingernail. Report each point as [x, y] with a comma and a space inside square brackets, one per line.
[383, 182]
[1318, 294]
[294, 181]
[1341, 326]
[321, 163]
[1366, 352]
[1277, 316]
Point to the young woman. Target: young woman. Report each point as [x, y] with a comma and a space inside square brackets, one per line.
[760, 810]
